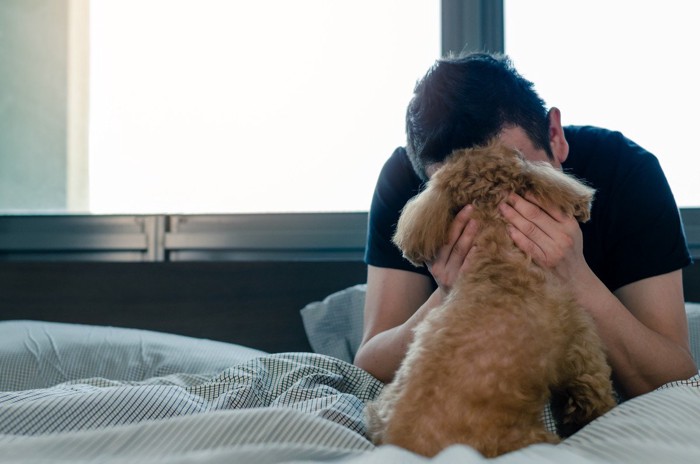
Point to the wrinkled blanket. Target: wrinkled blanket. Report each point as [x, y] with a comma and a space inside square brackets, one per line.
[313, 384]
[153, 398]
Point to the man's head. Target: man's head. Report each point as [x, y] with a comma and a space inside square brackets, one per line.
[465, 101]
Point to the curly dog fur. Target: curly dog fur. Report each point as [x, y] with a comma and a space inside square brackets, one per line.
[483, 366]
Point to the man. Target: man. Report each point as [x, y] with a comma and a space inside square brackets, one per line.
[623, 266]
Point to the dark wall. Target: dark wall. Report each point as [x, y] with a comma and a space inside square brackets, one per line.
[255, 304]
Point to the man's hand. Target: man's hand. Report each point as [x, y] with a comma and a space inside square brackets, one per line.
[552, 238]
[452, 258]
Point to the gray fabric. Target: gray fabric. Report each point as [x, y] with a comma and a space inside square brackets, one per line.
[693, 312]
[294, 407]
[319, 385]
[334, 325]
[658, 427]
[661, 426]
[261, 435]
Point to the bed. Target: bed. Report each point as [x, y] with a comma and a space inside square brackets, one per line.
[85, 393]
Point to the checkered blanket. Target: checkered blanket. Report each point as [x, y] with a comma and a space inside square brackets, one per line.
[313, 384]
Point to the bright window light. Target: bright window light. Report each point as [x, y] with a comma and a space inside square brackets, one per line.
[243, 106]
[624, 65]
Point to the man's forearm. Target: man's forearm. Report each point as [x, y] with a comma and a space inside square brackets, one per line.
[642, 359]
[382, 354]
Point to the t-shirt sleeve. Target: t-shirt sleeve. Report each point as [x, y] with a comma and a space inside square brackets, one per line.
[649, 237]
[397, 183]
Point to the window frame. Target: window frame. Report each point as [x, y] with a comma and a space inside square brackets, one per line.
[242, 237]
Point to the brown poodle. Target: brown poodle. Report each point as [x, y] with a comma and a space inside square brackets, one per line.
[483, 366]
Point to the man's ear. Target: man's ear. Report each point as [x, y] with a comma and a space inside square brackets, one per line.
[557, 140]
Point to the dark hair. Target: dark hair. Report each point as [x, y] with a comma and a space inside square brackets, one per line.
[464, 101]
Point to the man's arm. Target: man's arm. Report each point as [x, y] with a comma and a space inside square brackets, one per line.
[646, 331]
[644, 328]
[395, 302]
[643, 325]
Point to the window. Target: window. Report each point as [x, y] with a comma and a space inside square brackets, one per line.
[226, 107]
[625, 65]
[233, 106]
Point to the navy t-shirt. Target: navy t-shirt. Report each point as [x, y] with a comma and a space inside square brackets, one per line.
[635, 229]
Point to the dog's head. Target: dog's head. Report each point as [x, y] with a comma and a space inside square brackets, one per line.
[483, 177]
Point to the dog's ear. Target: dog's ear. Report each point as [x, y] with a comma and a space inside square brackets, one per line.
[551, 186]
[424, 224]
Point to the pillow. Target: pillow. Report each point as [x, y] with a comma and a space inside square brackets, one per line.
[693, 312]
[36, 354]
[334, 325]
